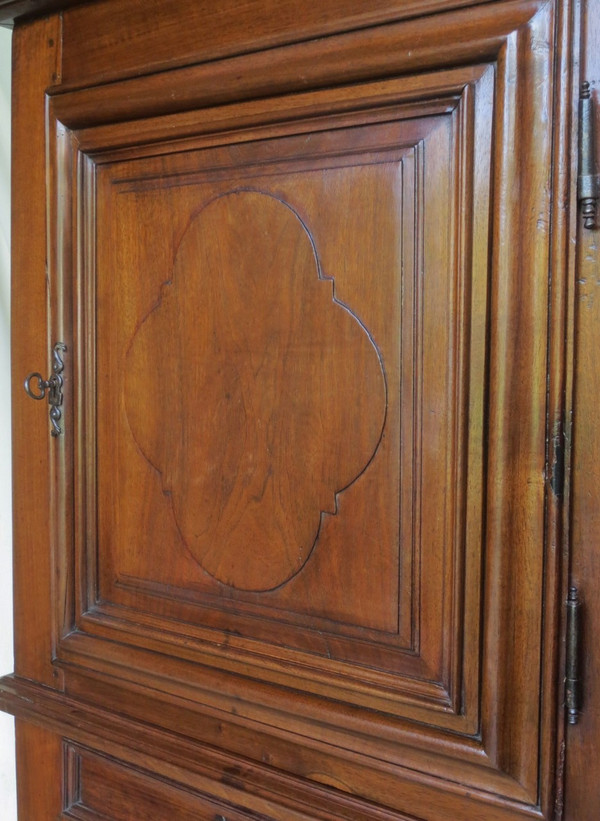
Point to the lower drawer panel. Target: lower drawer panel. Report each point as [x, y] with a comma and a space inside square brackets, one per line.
[99, 788]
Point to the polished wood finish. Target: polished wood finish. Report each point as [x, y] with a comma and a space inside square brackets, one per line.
[135, 38]
[246, 339]
[37, 62]
[582, 801]
[467, 36]
[300, 551]
[40, 771]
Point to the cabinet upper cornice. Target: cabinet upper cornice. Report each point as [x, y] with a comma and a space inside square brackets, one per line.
[272, 22]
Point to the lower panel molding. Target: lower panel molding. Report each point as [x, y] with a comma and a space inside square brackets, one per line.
[106, 753]
[99, 786]
[186, 770]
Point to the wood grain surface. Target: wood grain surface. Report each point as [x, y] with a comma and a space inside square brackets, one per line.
[582, 797]
[302, 548]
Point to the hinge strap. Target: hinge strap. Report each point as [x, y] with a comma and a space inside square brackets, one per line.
[572, 681]
[588, 182]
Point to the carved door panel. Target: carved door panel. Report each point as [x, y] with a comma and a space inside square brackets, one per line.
[313, 361]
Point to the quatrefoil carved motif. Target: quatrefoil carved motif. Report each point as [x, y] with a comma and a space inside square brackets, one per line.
[275, 401]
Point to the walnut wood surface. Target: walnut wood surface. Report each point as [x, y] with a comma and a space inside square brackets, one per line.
[583, 766]
[39, 771]
[256, 410]
[147, 22]
[326, 181]
[135, 38]
[192, 761]
[32, 572]
[304, 553]
[406, 49]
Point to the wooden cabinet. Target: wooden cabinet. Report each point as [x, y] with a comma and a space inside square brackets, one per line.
[305, 274]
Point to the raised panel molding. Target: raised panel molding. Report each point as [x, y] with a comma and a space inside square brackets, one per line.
[456, 38]
[410, 165]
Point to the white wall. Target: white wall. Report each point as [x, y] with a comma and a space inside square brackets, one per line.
[8, 811]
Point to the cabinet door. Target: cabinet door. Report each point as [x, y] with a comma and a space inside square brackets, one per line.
[305, 509]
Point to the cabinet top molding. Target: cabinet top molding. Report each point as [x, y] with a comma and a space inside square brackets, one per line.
[346, 13]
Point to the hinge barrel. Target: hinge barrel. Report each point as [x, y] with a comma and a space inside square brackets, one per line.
[572, 680]
[588, 182]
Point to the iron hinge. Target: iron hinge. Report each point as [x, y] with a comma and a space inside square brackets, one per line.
[558, 455]
[588, 181]
[573, 695]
